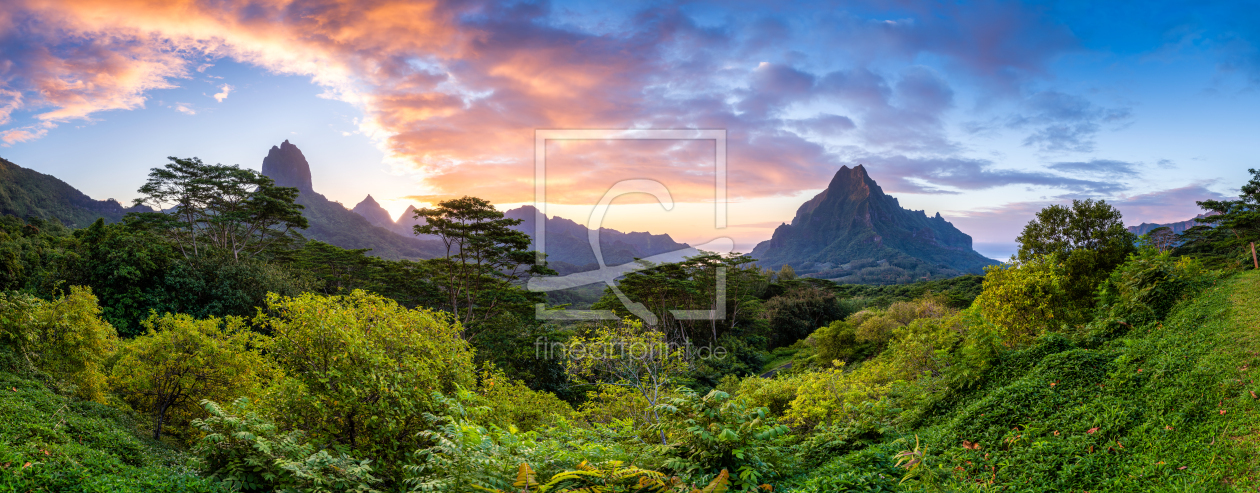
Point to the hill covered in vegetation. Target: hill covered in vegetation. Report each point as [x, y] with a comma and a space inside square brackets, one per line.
[27, 193]
[153, 355]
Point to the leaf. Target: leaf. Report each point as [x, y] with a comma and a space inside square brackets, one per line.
[719, 484]
[525, 477]
[1092, 430]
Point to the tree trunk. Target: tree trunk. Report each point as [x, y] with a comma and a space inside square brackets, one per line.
[1253, 256]
[161, 417]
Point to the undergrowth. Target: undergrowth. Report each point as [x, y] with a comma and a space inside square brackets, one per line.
[1165, 406]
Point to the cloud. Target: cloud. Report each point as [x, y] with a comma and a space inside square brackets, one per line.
[224, 90]
[1063, 122]
[1100, 167]
[24, 134]
[1003, 223]
[451, 91]
[824, 124]
[1165, 206]
[184, 108]
[900, 173]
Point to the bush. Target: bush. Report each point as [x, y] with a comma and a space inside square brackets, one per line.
[1025, 299]
[65, 338]
[512, 403]
[180, 361]
[247, 453]
[713, 433]
[360, 371]
[54, 442]
[799, 312]
[1147, 286]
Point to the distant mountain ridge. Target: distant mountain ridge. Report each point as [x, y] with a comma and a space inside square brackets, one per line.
[1177, 227]
[28, 193]
[568, 245]
[853, 232]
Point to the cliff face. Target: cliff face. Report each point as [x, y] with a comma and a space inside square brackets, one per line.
[853, 226]
[288, 167]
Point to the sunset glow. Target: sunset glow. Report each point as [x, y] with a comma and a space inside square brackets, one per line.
[982, 111]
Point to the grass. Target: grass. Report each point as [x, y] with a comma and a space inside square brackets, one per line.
[51, 442]
[1166, 407]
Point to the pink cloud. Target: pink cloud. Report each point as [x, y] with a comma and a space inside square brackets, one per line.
[454, 90]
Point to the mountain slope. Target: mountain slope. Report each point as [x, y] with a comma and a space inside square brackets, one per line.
[29, 193]
[331, 222]
[853, 232]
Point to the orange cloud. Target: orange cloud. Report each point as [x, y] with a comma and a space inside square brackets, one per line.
[453, 91]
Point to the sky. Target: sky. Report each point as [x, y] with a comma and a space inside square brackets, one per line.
[983, 111]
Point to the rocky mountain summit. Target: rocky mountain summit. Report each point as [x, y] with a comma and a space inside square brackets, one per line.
[854, 232]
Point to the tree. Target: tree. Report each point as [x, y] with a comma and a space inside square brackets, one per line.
[712, 284]
[206, 208]
[1162, 238]
[627, 355]
[484, 258]
[182, 360]
[1089, 237]
[1235, 223]
[360, 371]
[800, 311]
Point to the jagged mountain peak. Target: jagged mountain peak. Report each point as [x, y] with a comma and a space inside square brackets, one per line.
[288, 167]
[854, 223]
[370, 209]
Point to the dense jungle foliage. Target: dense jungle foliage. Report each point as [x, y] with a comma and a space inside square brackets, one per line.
[209, 348]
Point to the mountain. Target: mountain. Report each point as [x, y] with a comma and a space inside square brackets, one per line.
[330, 222]
[371, 210]
[853, 232]
[1177, 228]
[569, 248]
[288, 167]
[28, 193]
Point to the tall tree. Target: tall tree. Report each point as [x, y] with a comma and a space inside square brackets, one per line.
[1089, 237]
[723, 288]
[484, 260]
[212, 207]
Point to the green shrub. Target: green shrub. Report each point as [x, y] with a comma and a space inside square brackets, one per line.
[167, 371]
[1147, 286]
[247, 453]
[52, 442]
[360, 371]
[1028, 298]
[64, 338]
[713, 433]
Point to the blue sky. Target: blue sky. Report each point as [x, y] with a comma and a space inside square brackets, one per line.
[982, 111]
